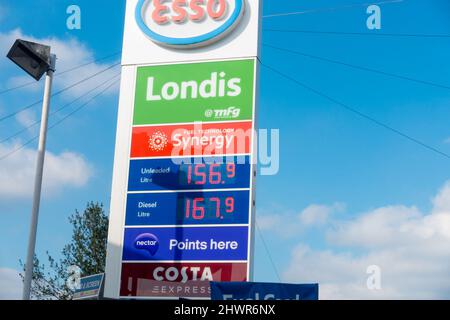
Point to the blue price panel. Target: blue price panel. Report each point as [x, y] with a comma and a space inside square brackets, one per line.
[186, 244]
[188, 208]
[185, 174]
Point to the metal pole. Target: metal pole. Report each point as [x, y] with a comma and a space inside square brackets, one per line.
[38, 181]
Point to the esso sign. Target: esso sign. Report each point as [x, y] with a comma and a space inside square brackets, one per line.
[188, 23]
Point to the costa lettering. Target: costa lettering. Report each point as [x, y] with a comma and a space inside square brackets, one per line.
[188, 23]
[183, 275]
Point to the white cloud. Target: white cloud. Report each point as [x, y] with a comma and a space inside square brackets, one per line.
[319, 214]
[26, 118]
[441, 202]
[10, 284]
[411, 248]
[268, 222]
[67, 169]
[377, 228]
[70, 53]
[313, 215]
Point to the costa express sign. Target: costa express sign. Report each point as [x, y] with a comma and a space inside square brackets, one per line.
[190, 280]
[188, 23]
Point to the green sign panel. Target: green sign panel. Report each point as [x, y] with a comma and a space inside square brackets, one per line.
[208, 91]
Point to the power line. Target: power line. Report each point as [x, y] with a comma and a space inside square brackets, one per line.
[349, 6]
[269, 255]
[89, 63]
[374, 34]
[82, 106]
[357, 112]
[58, 110]
[58, 92]
[58, 122]
[60, 73]
[428, 83]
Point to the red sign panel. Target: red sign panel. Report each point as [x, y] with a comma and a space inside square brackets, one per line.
[198, 139]
[177, 280]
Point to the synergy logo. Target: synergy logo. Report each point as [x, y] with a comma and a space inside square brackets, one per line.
[188, 23]
[148, 242]
[158, 141]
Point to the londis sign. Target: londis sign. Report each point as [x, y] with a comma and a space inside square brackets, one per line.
[188, 23]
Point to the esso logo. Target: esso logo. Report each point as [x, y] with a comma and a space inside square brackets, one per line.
[188, 23]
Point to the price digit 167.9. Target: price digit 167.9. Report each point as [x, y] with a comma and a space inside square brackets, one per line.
[197, 209]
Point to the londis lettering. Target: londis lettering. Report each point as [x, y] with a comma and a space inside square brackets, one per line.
[216, 86]
[188, 23]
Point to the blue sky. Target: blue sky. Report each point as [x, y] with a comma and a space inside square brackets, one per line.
[349, 193]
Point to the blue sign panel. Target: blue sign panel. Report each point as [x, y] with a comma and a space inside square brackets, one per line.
[186, 244]
[188, 208]
[89, 287]
[208, 173]
[263, 291]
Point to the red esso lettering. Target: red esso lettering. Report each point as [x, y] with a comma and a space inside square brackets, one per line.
[193, 10]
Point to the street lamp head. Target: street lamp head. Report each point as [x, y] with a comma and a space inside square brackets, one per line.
[33, 58]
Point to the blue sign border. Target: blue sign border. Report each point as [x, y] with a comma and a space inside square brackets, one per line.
[171, 180]
[162, 251]
[167, 211]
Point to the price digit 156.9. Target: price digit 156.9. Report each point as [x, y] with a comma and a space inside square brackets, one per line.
[200, 174]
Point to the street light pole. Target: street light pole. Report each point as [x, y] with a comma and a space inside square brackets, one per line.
[38, 180]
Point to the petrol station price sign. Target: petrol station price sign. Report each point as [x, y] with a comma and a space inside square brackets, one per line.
[194, 208]
[182, 207]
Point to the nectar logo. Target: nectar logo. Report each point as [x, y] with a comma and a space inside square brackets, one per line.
[148, 242]
[158, 141]
[188, 23]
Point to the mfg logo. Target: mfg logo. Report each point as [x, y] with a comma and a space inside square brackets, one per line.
[231, 112]
[188, 23]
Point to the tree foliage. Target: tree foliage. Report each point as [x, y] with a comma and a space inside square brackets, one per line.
[86, 250]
